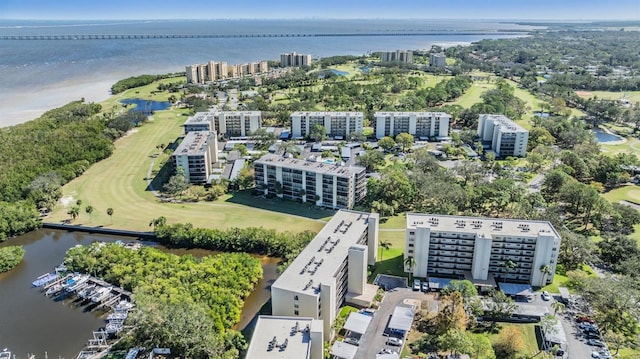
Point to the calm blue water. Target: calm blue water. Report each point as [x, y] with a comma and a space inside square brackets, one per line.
[146, 106]
[603, 137]
[38, 75]
[339, 73]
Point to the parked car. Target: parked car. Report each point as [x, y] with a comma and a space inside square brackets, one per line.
[385, 351]
[425, 286]
[581, 319]
[595, 343]
[394, 341]
[545, 296]
[352, 341]
[589, 335]
[416, 284]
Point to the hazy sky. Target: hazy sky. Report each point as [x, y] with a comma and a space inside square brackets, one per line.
[214, 9]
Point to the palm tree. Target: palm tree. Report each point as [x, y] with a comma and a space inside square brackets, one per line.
[73, 212]
[89, 210]
[384, 245]
[546, 270]
[557, 307]
[410, 262]
[508, 266]
[110, 214]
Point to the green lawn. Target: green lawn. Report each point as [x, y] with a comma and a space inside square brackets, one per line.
[472, 96]
[630, 146]
[624, 193]
[633, 96]
[118, 182]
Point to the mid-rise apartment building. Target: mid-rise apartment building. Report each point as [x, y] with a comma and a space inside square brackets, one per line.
[325, 184]
[201, 121]
[506, 137]
[421, 125]
[228, 123]
[405, 56]
[337, 124]
[212, 71]
[286, 338]
[237, 123]
[291, 59]
[196, 155]
[479, 248]
[330, 271]
[438, 60]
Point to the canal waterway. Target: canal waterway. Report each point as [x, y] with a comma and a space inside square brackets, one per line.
[31, 323]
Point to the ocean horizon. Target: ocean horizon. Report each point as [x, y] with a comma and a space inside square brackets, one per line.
[38, 75]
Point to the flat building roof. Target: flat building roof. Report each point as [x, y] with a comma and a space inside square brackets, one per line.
[481, 225]
[310, 165]
[270, 333]
[194, 143]
[321, 259]
[418, 114]
[505, 123]
[325, 113]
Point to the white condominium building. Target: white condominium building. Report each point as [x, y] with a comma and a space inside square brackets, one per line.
[450, 246]
[237, 123]
[286, 338]
[506, 137]
[405, 56]
[228, 123]
[325, 184]
[196, 154]
[419, 124]
[438, 60]
[201, 121]
[337, 124]
[291, 59]
[330, 271]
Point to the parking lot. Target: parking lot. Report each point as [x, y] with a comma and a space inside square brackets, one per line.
[374, 340]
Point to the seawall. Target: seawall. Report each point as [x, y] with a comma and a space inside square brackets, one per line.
[99, 230]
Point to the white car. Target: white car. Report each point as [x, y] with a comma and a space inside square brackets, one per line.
[394, 341]
[545, 296]
[416, 284]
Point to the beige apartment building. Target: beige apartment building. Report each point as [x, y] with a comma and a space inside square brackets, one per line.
[330, 271]
[212, 71]
[228, 123]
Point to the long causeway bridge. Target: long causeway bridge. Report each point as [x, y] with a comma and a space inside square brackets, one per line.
[226, 36]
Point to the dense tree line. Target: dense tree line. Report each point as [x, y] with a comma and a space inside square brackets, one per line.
[184, 303]
[10, 257]
[285, 245]
[137, 81]
[40, 155]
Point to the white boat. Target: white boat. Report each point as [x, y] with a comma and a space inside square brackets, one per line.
[101, 294]
[54, 289]
[87, 291]
[123, 305]
[78, 282]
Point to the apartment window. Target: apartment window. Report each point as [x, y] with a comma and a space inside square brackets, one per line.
[410, 251]
[410, 245]
[295, 297]
[411, 233]
[296, 312]
[296, 305]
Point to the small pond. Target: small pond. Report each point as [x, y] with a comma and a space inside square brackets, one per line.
[146, 106]
[604, 137]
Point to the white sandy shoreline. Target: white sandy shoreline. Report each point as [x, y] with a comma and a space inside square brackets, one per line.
[32, 103]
